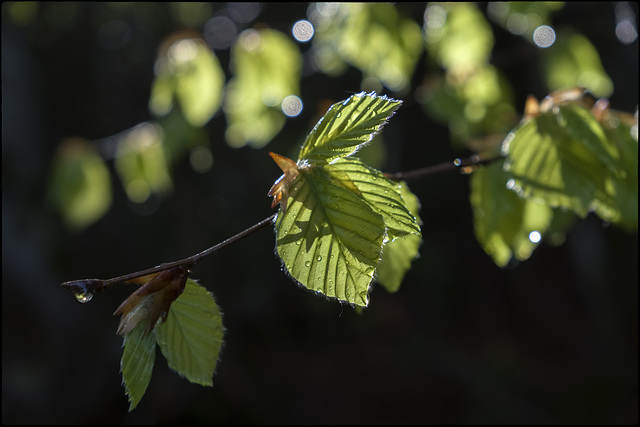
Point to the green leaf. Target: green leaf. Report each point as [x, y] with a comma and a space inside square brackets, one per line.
[191, 337]
[141, 163]
[522, 18]
[189, 72]
[372, 37]
[80, 184]
[268, 68]
[398, 254]
[329, 238]
[573, 61]
[458, 36]
[137, 362]
[503, 222]
[553, 164]
[617, 200]
[383, 195]
[347, 126]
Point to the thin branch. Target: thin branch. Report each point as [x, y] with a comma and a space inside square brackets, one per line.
[85, 288]
[460, 164]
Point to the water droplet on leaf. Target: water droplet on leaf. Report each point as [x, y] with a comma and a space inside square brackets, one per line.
[319, 258]
[307, 264]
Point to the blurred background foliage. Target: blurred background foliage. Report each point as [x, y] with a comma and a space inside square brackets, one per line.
[137, 133]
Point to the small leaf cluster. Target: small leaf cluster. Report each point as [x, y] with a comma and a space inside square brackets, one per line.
[338, 213]
[569, 156]
[190, 339]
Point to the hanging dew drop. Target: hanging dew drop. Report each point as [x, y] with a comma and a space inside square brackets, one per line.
[83, 296]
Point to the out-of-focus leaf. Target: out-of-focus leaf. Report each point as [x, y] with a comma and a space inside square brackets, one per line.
[503, 221]
[141, 163]
[180, 137]
[555, 165]
[347, 126]
[137, 362]
[188, 72]
[370, 36]
[522, 18]
[480, 105]
[191, 337]
[458, 36]
[617, 202]
[267, 67]
[398, 253]
[80, 184]
[573, 61]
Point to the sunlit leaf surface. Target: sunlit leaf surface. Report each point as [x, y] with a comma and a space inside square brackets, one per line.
[329, 239]
[398, 254]
[347, 126]
[372, 37]
[142, 164]
[267, 67]
[617, 202]
[503, 221]
[573, 61]
[187, 71]
[383, 195]
[458, 36]
[191, 337]
[340, 212]
[556, 165]
[137, 362]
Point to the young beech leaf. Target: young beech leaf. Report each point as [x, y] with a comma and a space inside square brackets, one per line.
[555, 165]
[398, 253]
[337, 212]
[347, 126]
[503, 221]
[329, 238]
[383, 195]
[137, 362]
[191, 337]
[152, 300]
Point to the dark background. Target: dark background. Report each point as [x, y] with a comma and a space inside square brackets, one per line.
[552, 340]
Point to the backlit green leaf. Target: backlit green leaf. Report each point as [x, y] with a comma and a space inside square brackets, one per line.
[191, 336]
[617, 201]
[267, 67]
[329, 239]
[573, 61]
[189, 72]
[503, 221]
[382, 194]
[80, 184]
[458, 36]
[554, 165]
[370, 36]
[137, 362]
[142, 164]
[398, 254]
[347, 126]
